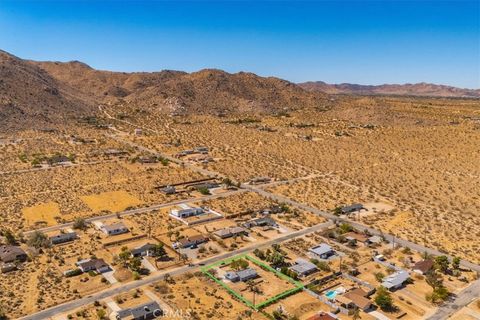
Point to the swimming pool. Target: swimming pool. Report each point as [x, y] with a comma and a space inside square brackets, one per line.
[331, 294]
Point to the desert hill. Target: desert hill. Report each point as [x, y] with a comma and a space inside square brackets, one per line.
[417, 89]
[30, 97]
[205, 91]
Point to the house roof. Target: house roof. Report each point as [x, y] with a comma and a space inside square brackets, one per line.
[114, 226]
[395, 279]
[323, 316]
[359, 292]
[423, 266]
[357, 236]
[7, 252]
[195, 238]
[353, 207]
[95, 263]
[375, 239]
[246, 273]
[139, 311]
[143, 248]
[302, 266]
[229, 231]
[64, 236]
[321, 249]
[358, 300]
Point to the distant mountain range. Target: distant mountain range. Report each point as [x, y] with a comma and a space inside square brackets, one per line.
[417, 89]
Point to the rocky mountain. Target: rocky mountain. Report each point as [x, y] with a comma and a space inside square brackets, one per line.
[205, 91]
[417, 89]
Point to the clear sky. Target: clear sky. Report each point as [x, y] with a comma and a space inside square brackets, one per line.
[366, 42]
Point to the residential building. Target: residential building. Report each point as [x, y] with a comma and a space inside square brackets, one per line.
[150, 310]
[323, 316]
[395, 280]
[169, 190]
[7, 267]
[359, 299]
[373, 240]
[147, 250]
[98, 265]
[63, 238]
[190, 242]
[114, 229]
[230, 232]
[352, 208]
[10, 253]
[354, 238]
[188, 212]
[303, 268]
[422, 267]
[260, 222]
[322, 251]
[242, 275]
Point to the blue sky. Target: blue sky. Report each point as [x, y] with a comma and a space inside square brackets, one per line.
[366, 42]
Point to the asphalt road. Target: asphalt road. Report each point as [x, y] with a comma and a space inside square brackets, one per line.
[121, 288]
[461, 300]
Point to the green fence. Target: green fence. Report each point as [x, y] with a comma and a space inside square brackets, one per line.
[298, 285]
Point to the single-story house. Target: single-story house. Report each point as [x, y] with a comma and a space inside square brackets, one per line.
[323, 316]
[185, 213]
[169, 190]
[114, 229]
[10, 253]
[146, 311]
[230, 232]
[98, 265]
[374, 240]
[322, 251]
[63, 237]
[242, 275]
[359, 298]
[303, 268]
[422, 267]
[354, 238]
[352, 208]
[201, 149]
[260, 222]
[147, 250]
[189, 242]
[7, 267]
[395, 280]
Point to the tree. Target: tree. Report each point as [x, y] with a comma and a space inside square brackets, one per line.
[38, 240]
[356, 314]
[80, 224]
[456, 263]
[239, 264]
[125, 256]
[345, 227]
[384, 300]
[439, 294]
[433, 279]
[442, 263]
[9, 237]
[135, 264]
[159, 250]
[101, 314]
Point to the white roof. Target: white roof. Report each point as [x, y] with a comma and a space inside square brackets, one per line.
[395, 279]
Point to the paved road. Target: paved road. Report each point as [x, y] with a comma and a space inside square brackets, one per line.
[462, 299]
[68, 306]
[141, 210]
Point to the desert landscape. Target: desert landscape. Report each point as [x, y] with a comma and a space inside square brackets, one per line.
[216, 195]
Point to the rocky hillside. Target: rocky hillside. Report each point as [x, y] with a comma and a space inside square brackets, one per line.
[418, 89]
[205, 91]
[31, 98]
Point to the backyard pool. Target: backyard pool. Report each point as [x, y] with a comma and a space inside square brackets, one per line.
[331, 294]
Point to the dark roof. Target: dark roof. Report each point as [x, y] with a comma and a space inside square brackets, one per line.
[322, 316]
[63, 237]
[141, 311]
[423, 266]
[145, 247]
[95, 263]
[9, 253]
[353, 207]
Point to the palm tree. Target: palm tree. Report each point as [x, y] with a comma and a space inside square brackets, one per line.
[356, 314]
